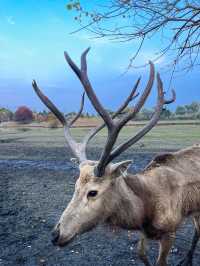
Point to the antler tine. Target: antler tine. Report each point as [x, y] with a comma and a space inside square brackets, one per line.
[142, 98]
[83, 60]
[79, 112]
[113, 134]
[82, 75]
[130, 98]
[77, 149]
[49, 104]
[158, 110]
[73, 66]
[173, 99]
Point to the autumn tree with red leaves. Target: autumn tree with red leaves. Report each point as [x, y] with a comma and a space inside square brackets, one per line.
[23, 115]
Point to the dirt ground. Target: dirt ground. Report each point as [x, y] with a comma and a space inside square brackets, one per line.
[35, 186]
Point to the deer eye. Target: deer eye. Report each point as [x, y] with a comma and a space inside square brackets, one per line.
[92, 193]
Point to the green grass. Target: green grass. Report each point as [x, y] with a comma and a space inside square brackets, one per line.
[160, 138]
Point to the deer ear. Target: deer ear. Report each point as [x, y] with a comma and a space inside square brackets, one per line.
[120, 169]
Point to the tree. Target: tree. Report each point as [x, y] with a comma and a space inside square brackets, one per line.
[198, 116]
[146, 114]
[5, 115]
[180, 110]
[195, 106]
[87, 115]
[176, 21]
[166, 114]
[23, 115]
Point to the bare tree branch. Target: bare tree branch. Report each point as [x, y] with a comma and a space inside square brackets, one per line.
[178, 20]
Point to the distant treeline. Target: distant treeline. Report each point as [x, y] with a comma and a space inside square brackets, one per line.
[25, 115]
[182, 112]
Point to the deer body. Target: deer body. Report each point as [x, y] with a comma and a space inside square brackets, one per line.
[167, 192]
[169, 189]
[154, 201]
[175, 183]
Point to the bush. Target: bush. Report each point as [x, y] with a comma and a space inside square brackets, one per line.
[5, 115]
[40, 117]
[180, 110]
[23, 115]
[198, 116]
[52, 121]
[53, 124]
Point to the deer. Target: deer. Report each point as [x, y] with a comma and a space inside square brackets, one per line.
[155, 201]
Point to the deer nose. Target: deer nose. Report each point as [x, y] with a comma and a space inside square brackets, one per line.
[55, 235]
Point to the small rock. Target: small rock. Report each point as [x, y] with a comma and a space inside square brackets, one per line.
[133, 261]
[174, 250]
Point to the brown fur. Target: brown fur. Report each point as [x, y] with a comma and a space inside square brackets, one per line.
[154, 201]
[170, 191]
[171, 188]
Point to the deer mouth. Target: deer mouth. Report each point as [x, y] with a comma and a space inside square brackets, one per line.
[59, 239]
[63, 241]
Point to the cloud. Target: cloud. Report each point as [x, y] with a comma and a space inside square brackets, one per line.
[89, 38]
[10, 20]
[141, 61]
[145, 56]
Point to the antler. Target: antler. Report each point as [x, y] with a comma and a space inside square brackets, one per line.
[114, 127]
[130, 98]
[79, 112]
[158, 110]
[83, 77]
[78, 149]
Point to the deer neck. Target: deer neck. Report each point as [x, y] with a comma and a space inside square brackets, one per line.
[128, 212]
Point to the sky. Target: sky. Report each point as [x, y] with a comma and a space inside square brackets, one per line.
[33, 36]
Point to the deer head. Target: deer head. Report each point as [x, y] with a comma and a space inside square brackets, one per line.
[97, 191]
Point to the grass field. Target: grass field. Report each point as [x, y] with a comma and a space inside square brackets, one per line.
[160, 138]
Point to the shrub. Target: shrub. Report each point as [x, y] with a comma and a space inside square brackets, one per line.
[198, 116]
[52, 121]
[180, 110]
[5, 115]
[53, 124]
[23, 115]
[39, 117]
